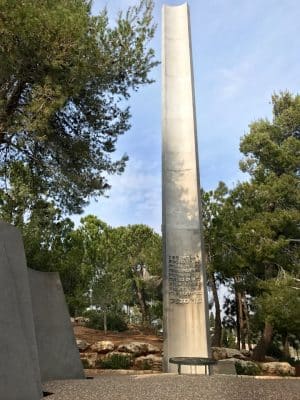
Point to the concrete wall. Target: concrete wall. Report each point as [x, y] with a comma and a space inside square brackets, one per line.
[19, 367]
[185, 293]
[58, 354]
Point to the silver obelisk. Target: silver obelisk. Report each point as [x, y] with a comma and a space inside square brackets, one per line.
[185, 295]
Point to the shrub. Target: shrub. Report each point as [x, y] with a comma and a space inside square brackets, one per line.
[115, 361]
[247, 368]
[146, 365]
[115, 320]
[85, 363]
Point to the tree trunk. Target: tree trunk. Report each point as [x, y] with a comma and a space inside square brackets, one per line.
[240, 329]
[216, 340]
[260, 350]
[247, 324]
[142, 302]
[286, 346]
[105, 322]
[241, 314]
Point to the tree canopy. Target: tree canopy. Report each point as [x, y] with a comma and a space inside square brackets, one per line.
[65, 77]
[252, 231]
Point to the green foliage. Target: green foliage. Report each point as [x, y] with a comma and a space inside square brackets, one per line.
[228, 339]
[116, 321]
[50, 242]
[65, 77]
[85, 363]
[115, 361]
[146, 365]
[279, 304]
[252, 232]
[275, 351]
[127, 264]
[272, 149]
[247, 368]
[156, 311]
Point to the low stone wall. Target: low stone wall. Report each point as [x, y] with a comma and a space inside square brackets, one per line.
[241, 360]
[145, 356]
[135, 355]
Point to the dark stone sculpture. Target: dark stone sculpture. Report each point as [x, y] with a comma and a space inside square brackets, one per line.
[36, 339]
[58, 354]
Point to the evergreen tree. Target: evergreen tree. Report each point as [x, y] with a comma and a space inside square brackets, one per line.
[65, 78]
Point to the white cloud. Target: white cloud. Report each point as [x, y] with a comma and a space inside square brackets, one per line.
[135, 197]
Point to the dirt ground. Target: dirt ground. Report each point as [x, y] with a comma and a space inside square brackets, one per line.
[131, 335]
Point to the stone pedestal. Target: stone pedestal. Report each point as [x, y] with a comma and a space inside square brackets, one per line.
[185, 294]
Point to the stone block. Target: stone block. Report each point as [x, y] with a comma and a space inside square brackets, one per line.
[225, 367]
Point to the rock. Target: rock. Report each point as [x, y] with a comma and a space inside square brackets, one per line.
[138, 348]
[103, 346]
[277, 368]
[82, 344]
[150, 361]
[246, 353]
[151, 349]
[89, 359]
[219, 353]
[234, 353]
[270, 359]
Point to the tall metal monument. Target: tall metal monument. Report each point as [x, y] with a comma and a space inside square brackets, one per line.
[185, 295]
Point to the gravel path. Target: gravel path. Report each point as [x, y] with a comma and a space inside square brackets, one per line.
[175, 387]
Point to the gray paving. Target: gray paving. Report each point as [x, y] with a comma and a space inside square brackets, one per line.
[175, 387]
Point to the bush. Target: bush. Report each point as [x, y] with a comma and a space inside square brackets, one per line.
[247, 368]
[115, 361]
[85, 363]
[228, 339]
[146, 365]
[115, 320]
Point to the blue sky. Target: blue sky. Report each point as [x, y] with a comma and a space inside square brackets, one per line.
[243, 51]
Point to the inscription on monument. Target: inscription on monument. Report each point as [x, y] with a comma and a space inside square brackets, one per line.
[185, 284]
